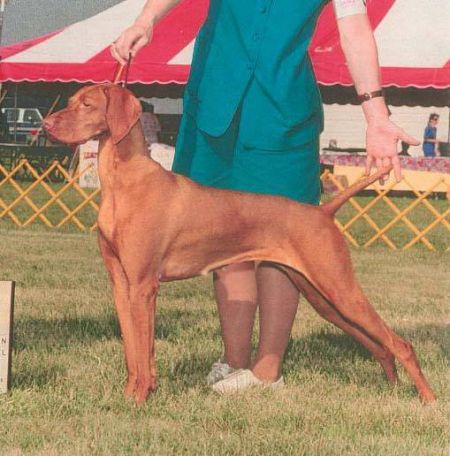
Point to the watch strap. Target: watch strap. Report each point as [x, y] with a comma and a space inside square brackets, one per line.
[366, 96]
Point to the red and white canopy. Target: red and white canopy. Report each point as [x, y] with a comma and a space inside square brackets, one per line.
[412, 37]
[413, 42]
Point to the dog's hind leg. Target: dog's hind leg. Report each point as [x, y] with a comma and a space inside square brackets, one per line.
[329, 269]
[355, 308]
[327, 311]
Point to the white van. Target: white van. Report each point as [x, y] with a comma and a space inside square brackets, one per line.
[22, 123]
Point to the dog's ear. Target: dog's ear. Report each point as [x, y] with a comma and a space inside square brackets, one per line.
[122, 111]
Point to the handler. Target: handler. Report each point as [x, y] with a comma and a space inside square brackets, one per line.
[252, 120]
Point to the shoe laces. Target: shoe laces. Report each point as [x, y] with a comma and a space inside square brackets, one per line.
[218, 371]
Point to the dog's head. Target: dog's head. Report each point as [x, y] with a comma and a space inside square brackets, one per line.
[93, 111]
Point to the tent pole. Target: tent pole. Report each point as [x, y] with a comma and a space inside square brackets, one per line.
[52, 107]
[15, 109]
[3, 95]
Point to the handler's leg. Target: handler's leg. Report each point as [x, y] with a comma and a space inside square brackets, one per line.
[278, 302]
[236, 295]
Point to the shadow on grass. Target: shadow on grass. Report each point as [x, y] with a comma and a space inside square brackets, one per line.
[173, 322]
[335, 355]
[45, 336]
[56, 333]
[33, 375]
[439, 334]
[184, 373]
[327, 353]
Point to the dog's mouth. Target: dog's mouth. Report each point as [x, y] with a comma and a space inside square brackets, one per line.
[54, 139]
[51, 136]
[72, 143]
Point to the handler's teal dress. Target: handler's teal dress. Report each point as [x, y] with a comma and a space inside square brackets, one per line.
[252, 109]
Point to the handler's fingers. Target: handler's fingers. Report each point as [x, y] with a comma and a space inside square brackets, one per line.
[116, 55]
[369, 164]
[408, 139]
[125, 42]
[386, 165]
[138, 45]
[397, 168]
[379, 163]
[123, 49]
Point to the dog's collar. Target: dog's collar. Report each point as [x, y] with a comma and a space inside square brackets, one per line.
[118, 72]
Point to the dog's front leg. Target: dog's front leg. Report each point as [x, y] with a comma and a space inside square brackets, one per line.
[143, 307]
[121, 292]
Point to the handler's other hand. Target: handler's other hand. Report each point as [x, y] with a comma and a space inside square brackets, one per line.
[382, 137]
[133, 39]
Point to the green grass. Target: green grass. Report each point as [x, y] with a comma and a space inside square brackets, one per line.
[68, 368]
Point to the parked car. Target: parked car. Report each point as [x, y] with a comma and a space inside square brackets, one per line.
[23, 123]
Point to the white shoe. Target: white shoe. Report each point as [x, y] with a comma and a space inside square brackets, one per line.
[243, 379]
[218, 372]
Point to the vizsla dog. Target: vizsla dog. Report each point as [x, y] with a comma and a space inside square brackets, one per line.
[157, 226]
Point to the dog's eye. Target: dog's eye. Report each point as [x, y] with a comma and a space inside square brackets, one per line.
[86, 103]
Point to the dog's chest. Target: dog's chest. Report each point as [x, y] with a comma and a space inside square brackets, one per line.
[106, 219]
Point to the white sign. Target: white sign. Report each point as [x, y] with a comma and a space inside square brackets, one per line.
[89, 165]
[163, 154]
[6, 317]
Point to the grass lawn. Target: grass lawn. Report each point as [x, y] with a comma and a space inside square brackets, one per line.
[68, 368]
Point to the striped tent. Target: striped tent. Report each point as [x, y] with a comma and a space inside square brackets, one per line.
[412, 36]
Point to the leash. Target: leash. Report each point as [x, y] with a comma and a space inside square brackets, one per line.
[119, 70]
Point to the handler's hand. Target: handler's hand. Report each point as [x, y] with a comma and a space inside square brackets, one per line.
[133, 39]
[381, 142]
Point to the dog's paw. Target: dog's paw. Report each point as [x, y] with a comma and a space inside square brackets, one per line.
[143, 389]
[427, 396]
[130, 387]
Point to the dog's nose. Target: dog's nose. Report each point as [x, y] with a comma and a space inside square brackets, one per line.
[48, 123]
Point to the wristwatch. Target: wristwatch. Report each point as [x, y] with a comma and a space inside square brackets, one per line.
[369, 95]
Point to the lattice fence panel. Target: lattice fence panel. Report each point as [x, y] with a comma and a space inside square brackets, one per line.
[423, 217]
[51, 197]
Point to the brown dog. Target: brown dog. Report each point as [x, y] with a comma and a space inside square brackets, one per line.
[158, 226]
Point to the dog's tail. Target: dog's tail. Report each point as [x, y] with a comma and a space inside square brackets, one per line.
[332, 206]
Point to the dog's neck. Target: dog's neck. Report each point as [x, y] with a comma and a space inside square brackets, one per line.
[130, 150]
[131, 146]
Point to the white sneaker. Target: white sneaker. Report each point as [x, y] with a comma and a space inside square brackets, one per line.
[243, 379]
[218, 372]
